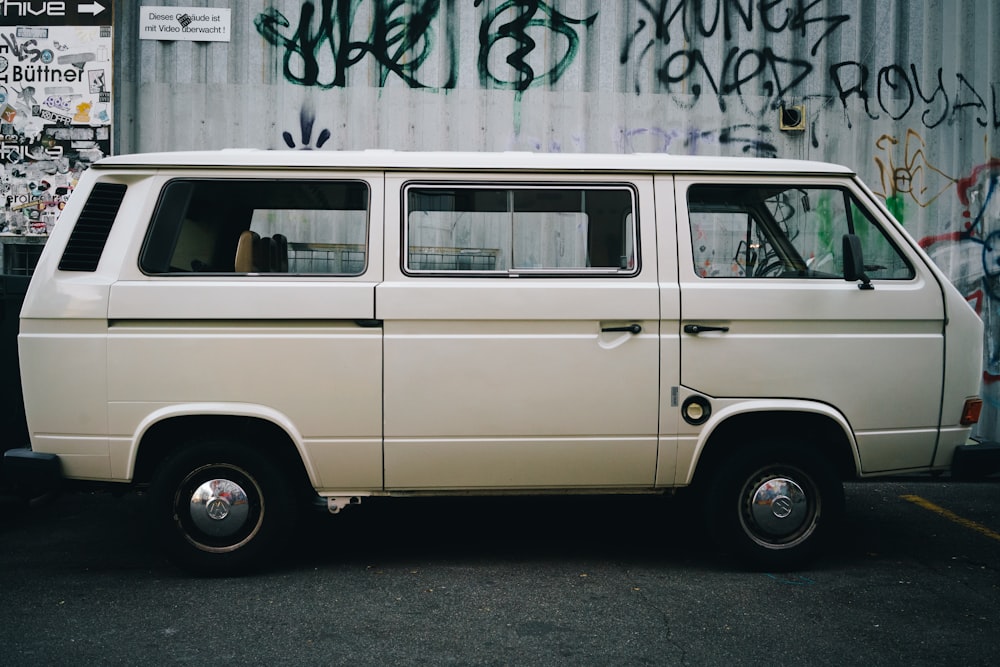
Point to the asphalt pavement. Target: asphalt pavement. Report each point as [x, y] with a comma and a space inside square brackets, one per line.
[915, 580]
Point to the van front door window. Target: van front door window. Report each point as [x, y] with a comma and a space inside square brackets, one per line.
[784, 231]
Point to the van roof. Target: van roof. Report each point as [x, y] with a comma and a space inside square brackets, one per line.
[464, 161]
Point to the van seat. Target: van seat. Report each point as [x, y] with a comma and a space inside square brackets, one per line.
[262, 254]
[279, 253]
[246, 249]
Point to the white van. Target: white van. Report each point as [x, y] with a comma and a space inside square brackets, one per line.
[242, 330]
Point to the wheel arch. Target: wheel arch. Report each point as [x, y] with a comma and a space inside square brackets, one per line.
[829, 434]
[164, 436]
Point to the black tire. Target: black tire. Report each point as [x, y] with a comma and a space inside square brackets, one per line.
[221, 509]
[776, 507]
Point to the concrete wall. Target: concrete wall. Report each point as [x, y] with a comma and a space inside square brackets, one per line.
[905, 91]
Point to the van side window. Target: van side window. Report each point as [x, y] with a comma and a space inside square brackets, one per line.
[504, 230]
[782, 231]
[258, 226]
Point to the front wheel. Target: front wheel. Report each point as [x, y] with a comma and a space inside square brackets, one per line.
[776, 507]
[220, 508]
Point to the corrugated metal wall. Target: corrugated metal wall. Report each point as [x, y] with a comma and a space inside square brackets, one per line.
[903, 90]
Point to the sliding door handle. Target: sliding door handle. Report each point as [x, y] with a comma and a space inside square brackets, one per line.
[630, 328]
[702, 328]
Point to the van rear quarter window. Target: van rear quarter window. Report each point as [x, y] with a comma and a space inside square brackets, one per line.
[503, 230]
[258, 226]
[785, 231]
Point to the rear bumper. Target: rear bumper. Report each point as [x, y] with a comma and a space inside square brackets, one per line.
[34, 471]
[976, 461]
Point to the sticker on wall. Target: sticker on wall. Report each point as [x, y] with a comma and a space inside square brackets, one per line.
[55, 107]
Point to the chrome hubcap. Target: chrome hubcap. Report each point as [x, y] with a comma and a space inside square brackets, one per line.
[778, 508]
[219, 507]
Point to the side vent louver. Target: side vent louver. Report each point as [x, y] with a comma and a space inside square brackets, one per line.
[86, 243]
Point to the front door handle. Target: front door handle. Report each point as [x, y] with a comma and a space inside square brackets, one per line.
[702, 328]
[631, 328]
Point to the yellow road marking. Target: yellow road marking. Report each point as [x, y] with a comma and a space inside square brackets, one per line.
[951, 516]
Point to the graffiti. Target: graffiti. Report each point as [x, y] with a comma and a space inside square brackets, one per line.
[741, 70]
[773, 16]
[966, 248]
[526, 142]
[528, 15]
[307, 117]
[970, 253]
[321, 55]
[758, 53]
[326, 43]
[898, 93]
[693, 49]
[745, 137]
[978, 192]
[913, 177]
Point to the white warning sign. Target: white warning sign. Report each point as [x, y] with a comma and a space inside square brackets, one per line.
[194, 24]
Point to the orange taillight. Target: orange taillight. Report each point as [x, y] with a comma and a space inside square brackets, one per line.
[971, 410]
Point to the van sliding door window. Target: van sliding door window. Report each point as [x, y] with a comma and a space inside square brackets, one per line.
[258, 226]
[783, 231]
[516, 230]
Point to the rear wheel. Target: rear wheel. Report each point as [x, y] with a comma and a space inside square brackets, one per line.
[220, 508]
[777, 506]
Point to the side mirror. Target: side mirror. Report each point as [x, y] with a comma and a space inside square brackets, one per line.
[854, 262]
